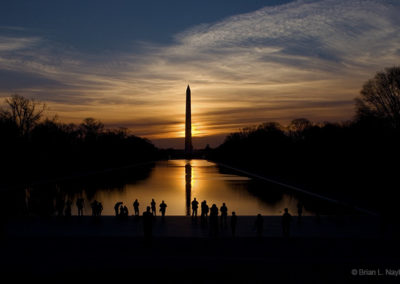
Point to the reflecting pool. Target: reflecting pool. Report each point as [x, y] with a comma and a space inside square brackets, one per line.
[177, 182]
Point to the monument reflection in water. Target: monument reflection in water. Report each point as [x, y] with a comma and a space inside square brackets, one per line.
[188, 186]
[177, 182]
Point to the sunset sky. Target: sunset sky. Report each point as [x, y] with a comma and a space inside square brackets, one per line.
[127, 63]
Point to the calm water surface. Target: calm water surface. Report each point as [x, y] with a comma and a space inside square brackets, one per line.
[177, 182]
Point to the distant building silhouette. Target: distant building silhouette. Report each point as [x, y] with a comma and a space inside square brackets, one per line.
[188, 128]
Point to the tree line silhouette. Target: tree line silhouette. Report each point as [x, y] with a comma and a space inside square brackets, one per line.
[34, 148]
[355, 161]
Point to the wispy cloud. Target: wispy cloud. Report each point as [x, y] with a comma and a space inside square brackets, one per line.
[8, 44]
[306, 58]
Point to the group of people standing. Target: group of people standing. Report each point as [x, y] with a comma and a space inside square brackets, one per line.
[63, 208]
[97, 207]
[205, 209]
[207, 213]
[259, 223]
[214, 212]
[122, 210]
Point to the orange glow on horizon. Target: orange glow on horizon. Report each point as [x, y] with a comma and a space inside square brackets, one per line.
[195, 131]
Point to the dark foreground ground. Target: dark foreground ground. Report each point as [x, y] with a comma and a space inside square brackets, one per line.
[336, 250]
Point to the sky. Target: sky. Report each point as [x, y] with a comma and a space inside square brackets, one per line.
[127, 63]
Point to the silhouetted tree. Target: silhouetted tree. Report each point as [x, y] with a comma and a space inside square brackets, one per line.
[298, 126]
[348, 160]
[24, 112]
[8, 128]
[91, 128]
[43, 149]
[380, 97]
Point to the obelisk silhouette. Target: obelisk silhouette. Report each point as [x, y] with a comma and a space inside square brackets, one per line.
[188, 128]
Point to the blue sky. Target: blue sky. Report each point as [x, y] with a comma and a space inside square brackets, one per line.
[127, 63]
[104, 25]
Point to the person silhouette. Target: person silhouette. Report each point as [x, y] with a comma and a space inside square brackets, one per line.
[202, 215]
[206, 210]
[224, 214]
[213, 210]
[163, 207]
[116, 208]
[123, 211]
[80, 203]
[68, 210]
[214, 220]
[233, 223]
[147, 225]
[195, 205]
[93, 205]
[153, 207]
[286, 220]
[259, 224]
[136, 207]
[99, 208]
[299, 211]
[60, 204]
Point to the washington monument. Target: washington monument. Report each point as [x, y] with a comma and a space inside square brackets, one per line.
[188, 128]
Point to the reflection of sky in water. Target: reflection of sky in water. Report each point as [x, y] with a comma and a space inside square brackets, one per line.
[179, 181]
